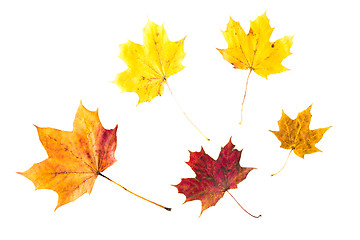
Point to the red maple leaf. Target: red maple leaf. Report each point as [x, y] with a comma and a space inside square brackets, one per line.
[213, 177]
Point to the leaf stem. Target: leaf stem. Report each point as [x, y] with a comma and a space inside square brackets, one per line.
[166, 208]
[242, 206]
[181, 109]
[242, 105]
[284, 164]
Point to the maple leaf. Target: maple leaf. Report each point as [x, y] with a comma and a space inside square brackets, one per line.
[150, 64]
[296, 135]
[254, 50]
[213, 178]
[75, 158]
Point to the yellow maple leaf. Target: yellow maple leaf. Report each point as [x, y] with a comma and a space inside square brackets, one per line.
[296, 135]
[254, 50]
[150, 64]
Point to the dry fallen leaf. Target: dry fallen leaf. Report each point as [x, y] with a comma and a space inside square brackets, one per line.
[150, 64]
[213, 178]
[296, 135]
[254, 50]
[76, 158]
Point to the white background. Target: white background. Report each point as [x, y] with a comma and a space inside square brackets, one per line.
[55, 53]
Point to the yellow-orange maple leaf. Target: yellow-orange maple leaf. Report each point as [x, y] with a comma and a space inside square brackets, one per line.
[150, 64]
[75, 159]
[254, 50]
[296, 135]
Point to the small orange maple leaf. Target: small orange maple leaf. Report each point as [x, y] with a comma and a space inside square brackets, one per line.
[75, 158]
[296, 135]
[254, 50]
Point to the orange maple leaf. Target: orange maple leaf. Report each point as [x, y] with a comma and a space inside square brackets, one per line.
[296, 135]
[75, 158]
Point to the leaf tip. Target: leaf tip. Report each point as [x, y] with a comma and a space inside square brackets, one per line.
[231, 20]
